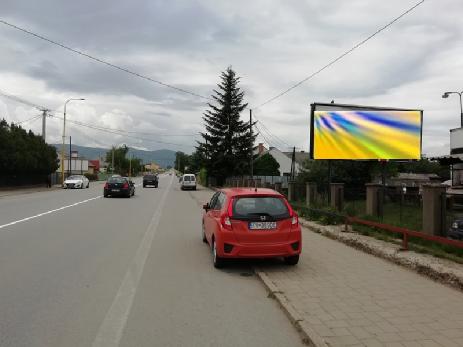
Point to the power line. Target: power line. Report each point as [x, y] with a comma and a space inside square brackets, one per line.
[269, 133]
[110, 131]
[22, 101]
[29, 119]
[334, 61]
[103, 61]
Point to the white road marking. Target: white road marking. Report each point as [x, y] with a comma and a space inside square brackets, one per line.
[48, 212]
[110, 331]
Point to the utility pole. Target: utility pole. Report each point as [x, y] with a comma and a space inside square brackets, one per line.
[44, 124]
[70, 156]
[252, 144]
[112, 162]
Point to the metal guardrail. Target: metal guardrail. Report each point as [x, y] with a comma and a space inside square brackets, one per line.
[406, 233]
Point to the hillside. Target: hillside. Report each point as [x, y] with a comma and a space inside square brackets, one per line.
[163, 157]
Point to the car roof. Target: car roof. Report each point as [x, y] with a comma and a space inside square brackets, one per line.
[250, 191]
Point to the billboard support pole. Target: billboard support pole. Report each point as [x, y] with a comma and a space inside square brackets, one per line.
[383, 187]
[330, 174]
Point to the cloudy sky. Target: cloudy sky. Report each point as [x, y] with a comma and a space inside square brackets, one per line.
[270, 44]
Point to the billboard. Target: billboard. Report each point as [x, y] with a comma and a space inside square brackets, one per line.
[365, 133]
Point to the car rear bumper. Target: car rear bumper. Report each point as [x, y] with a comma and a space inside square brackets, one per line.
[119, 193]
[455, 234]
[227, 247]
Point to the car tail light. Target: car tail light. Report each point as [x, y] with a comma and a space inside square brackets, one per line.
[295, 219]
[106, 185]
[230, 208]
[226, 222]
[125, 186]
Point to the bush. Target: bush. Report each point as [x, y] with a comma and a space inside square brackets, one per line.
[91, 176]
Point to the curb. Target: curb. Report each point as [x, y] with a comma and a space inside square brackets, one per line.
[308, 335]
[391, 255]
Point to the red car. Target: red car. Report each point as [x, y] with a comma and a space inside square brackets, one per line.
[251, 223]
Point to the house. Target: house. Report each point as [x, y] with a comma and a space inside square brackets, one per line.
[280, 157]
[74, 165]
[412, 180]
[301, 156]
[94, 166]
[152, 167]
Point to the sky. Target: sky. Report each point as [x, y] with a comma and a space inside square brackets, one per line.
[270, 44]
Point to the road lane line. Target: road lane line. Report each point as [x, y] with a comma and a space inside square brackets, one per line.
[110, 332]
[48, 212]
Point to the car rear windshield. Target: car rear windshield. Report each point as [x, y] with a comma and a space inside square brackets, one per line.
[189, 178]
[149, 177]
[254, 207]
[116, 180]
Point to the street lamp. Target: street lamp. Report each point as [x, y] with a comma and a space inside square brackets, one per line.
[446, 95]
[64, 137]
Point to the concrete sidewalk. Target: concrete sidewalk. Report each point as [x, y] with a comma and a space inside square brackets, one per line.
[9, 191]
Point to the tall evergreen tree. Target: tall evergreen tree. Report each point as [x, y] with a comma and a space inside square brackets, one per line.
[227, 141]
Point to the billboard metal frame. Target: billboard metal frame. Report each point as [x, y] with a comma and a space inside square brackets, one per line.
[359, 107]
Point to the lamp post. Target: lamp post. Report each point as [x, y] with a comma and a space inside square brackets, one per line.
[446, 95]
[64, 137]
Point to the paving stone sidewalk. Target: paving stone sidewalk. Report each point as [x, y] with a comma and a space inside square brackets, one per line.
[350, 298]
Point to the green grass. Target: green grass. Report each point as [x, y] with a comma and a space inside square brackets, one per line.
[411, 219]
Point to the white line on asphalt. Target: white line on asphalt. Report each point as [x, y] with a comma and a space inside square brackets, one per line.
[48, 212]
[110, 331]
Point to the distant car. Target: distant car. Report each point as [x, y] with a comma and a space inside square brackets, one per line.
[119, 186]
[150, 180]
[76, 181]
[456, 230]
[251, 223]
[188, 182]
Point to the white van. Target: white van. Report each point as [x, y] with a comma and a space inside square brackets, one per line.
[188, 182]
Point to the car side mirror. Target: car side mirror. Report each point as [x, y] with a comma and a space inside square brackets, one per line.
[206, 207]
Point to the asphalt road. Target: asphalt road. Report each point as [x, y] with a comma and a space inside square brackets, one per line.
[77, 269]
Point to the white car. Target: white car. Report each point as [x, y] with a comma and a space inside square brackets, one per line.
[188, 182]
[76, 181]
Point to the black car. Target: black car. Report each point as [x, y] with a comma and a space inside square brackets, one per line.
[456, 230]
[150, 180]
[119, 186]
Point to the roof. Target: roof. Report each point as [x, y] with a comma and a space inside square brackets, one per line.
[415, 176]
[249, 191]
[300, 156]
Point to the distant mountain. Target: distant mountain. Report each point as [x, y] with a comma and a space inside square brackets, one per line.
[162, 157]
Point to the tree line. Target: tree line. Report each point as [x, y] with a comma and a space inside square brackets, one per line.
[25, 158]
[122, 162]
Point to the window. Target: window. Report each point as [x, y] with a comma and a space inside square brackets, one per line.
[213, 200]
[220, 201]
[256, 206]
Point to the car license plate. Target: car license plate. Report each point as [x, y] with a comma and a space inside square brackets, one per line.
[115, 190]
[262, 225]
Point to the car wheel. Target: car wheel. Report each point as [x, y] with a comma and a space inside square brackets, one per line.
[144, 186]
[88, 185]
[203, 234]
[105, 195]
[218, 261]
[292, 260]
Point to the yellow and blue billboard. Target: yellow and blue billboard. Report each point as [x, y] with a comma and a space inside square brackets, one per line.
[365, 133]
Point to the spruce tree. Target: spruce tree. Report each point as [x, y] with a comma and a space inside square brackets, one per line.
[227, 141]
